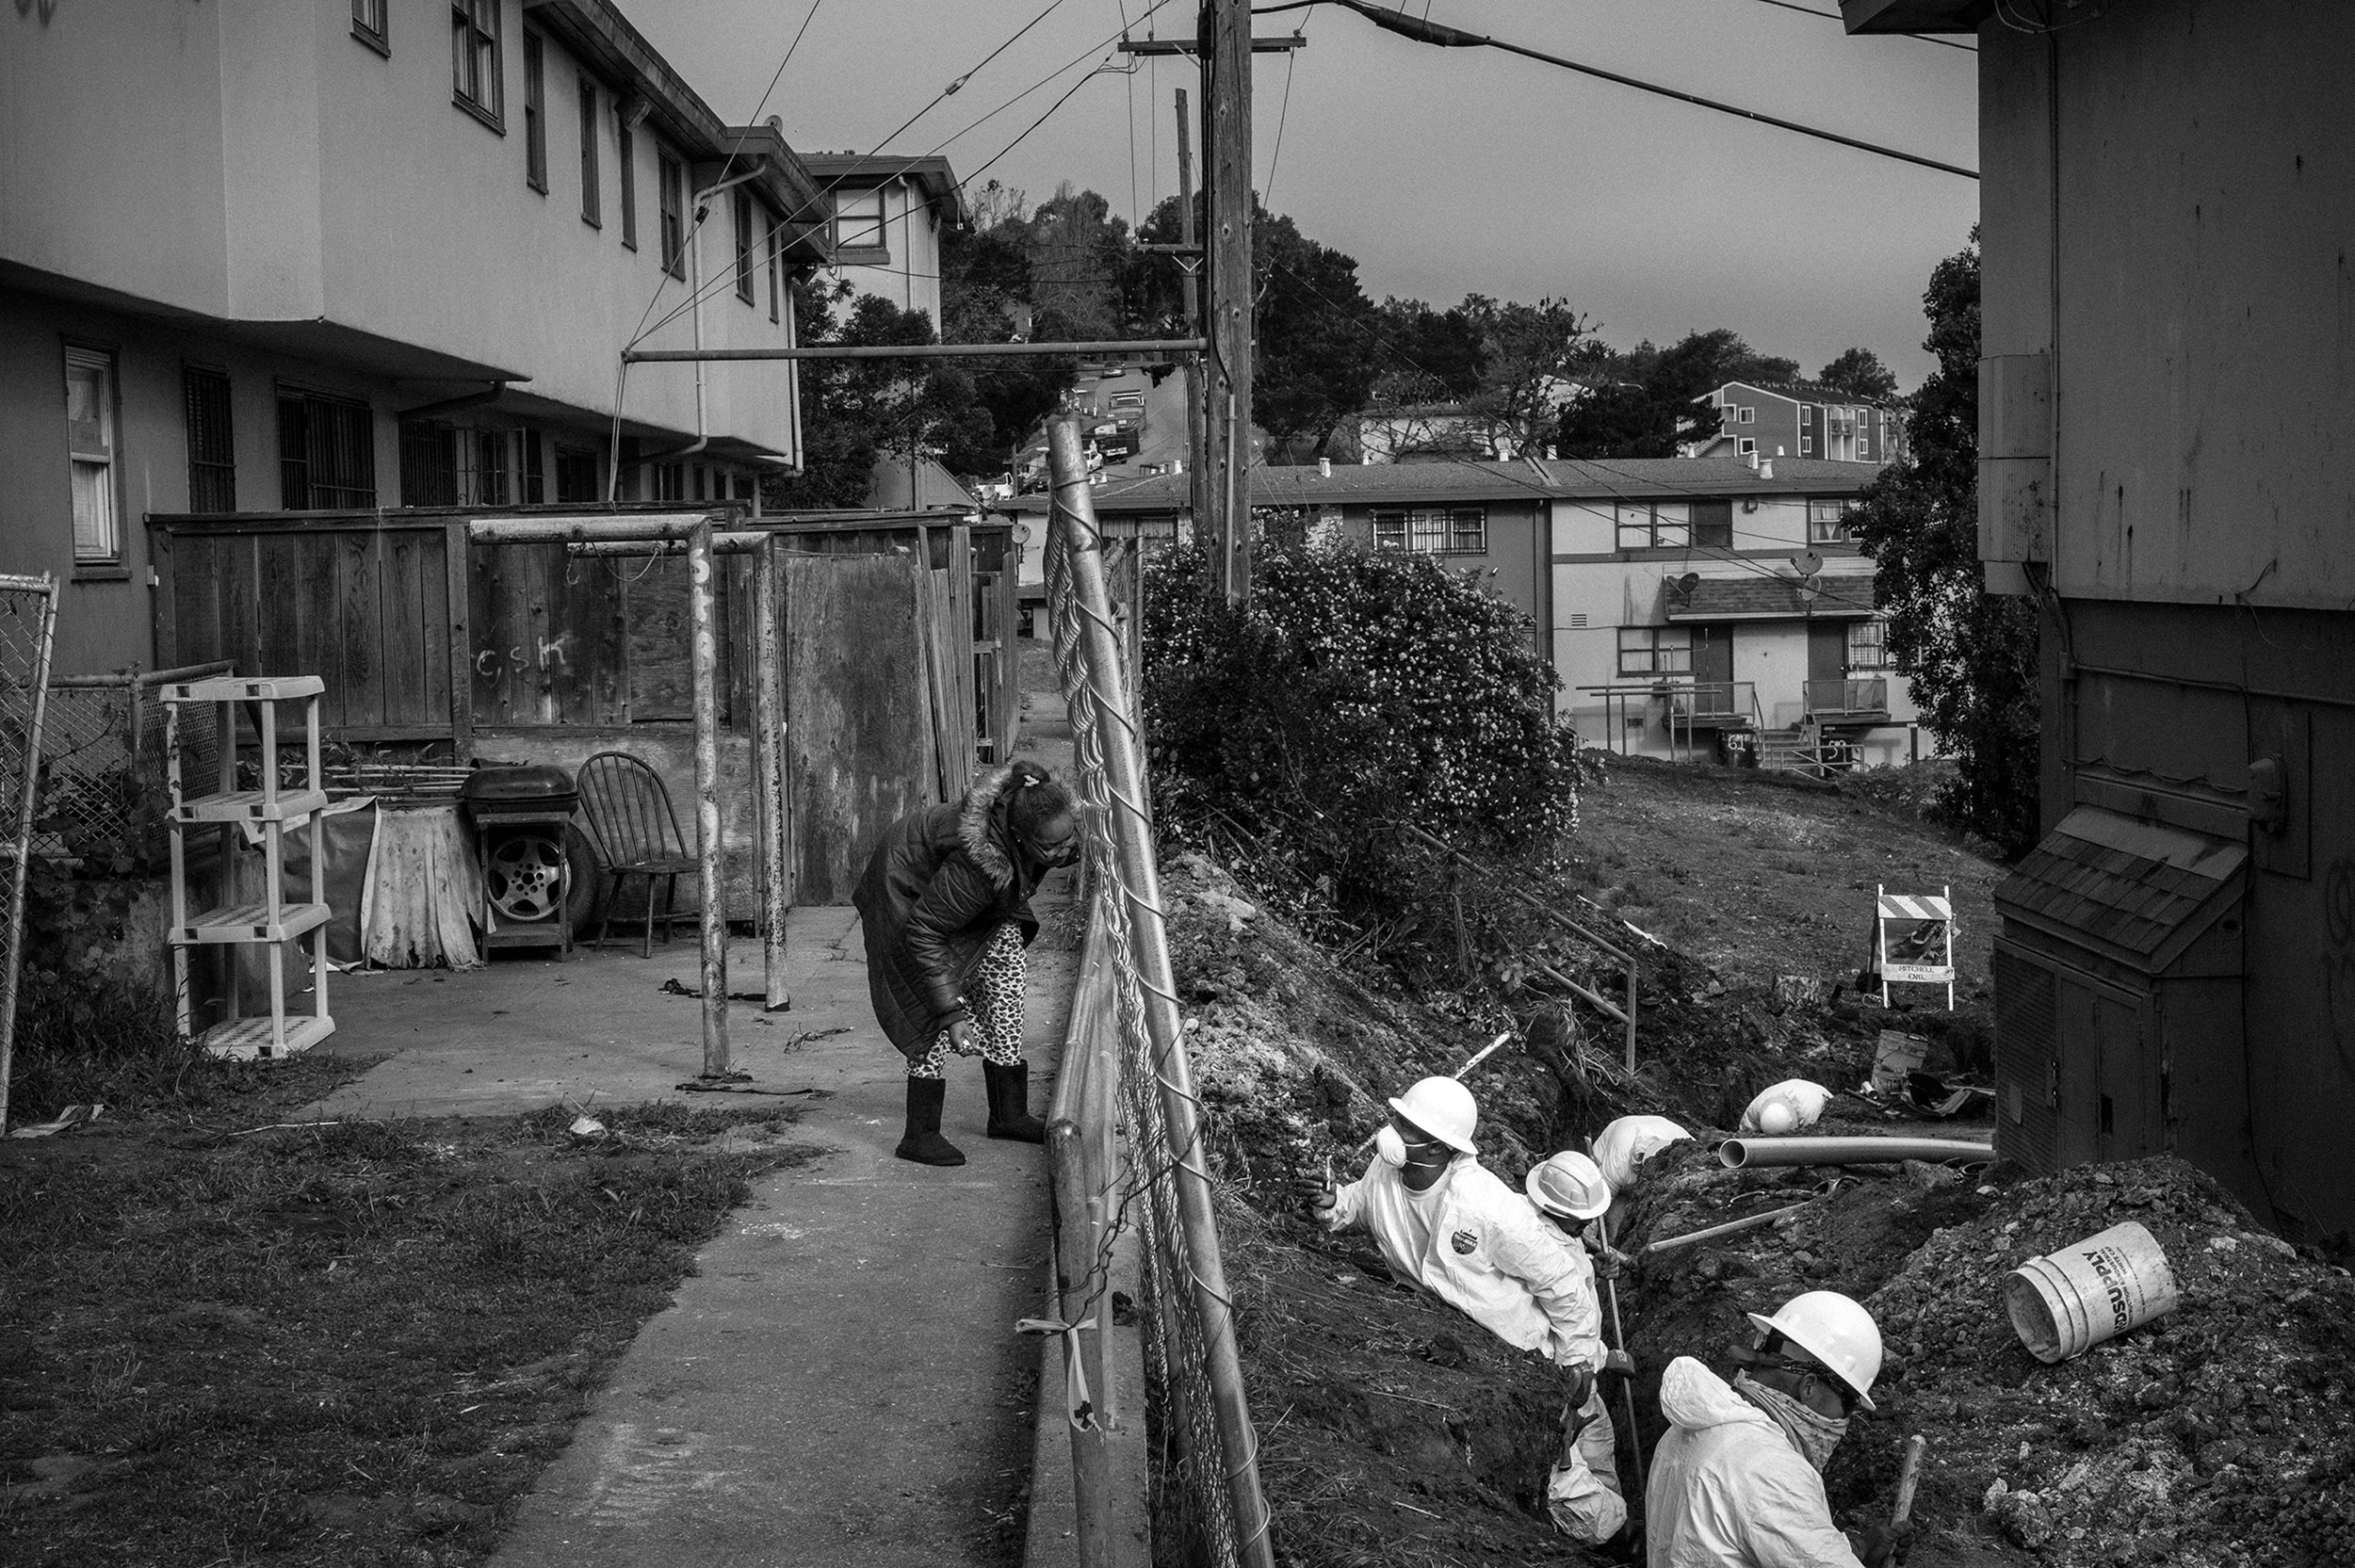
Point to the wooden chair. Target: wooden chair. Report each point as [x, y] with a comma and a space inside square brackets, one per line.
[637, 835]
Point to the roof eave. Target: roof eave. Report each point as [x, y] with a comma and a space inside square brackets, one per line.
[1915, 16]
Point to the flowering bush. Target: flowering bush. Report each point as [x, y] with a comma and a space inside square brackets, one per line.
[1358, 690]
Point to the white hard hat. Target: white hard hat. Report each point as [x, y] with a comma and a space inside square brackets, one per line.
[1569, 1186]
[1443, 1108]
[1836, 1331]
[1630, 1141]
[1785, 1106]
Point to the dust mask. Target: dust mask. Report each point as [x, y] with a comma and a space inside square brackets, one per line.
[1814, 1433]
[1389, 1148]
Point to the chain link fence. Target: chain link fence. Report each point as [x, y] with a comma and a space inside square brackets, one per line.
[103, 745]
[1208, 1469]
[29, 611]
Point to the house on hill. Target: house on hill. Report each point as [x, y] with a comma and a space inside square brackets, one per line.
[885, 216]
[286, 256]
[1801, 420]
[1692, 607]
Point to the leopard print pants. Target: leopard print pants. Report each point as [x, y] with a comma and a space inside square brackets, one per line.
[994, 997]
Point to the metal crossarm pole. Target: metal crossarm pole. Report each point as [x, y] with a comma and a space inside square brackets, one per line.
[1138, 888]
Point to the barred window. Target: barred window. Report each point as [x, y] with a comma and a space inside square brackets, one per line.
[428, 465]
[1868, 645]
[212, 449]
[1431, 530]
[326, 452]
[490, 468]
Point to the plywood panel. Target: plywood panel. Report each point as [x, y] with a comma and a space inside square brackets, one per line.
[406, 633]
[356, 631]
[658, 641]
[858, 748]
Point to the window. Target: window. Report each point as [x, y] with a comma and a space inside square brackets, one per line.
[1748, 444]
[428, 465]
[776, 265]
[1431, 530]
[1806, 444]
[592, 207]
[535, 474]
[1654, 525]
[535, 114]
[1868, 647]
[1807, 414]
[670, 481]
[744, 245]
[575, 475]
[1827, 522]
[474, 59]
[368, 24]
[669, 191]
[858, 222]
[625, 155]
[1713, 524]
[326, 452]
[212, 453]
[1746, 417]
[1655, 649]
[490, 468]
[89, 439]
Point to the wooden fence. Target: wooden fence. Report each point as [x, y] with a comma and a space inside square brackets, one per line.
[900, 663]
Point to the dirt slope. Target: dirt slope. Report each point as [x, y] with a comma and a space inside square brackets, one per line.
[1395, 1431]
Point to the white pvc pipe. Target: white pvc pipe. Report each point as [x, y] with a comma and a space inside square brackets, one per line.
[1748, 1153]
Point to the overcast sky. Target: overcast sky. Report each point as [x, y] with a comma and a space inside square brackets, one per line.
[1448, 172]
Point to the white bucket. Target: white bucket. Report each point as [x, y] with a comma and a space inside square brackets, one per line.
[2064, 1303]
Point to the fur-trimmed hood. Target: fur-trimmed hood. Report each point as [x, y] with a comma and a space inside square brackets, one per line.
[982, 825]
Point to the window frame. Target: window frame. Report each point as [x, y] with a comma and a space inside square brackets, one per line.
[372, 27]
[1835, 530]
[1651, 528]
[111, 561]
[1715, 523]
[1431, 530]
[204, 471]
[776, 264]
[1654, 642]
[744, 206]
[592, 177]
[671, 199]
[306, 402]
[1745, 415]
[876, 251]
[479, 91]
[535, 112]
[626, 159]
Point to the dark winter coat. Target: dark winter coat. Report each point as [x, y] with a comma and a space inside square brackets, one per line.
[938, 886]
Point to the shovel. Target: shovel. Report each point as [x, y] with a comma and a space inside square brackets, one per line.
[1627, 1385]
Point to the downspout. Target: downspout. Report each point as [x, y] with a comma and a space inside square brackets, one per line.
[695, 300]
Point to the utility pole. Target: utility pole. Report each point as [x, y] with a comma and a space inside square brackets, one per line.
[1198, 492]
[1225, 37]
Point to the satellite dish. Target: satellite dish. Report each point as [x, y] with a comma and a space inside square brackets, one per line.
[1807, 564]
[1686, 584]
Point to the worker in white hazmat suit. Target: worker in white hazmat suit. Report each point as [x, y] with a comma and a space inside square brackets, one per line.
[1445, 1223]
[1583, 1495]
[1785, 1107]
[1737, 1482]
[1621, 1148]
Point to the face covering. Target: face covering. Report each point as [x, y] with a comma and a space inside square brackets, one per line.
[1388, 1147]
[1813, 1434]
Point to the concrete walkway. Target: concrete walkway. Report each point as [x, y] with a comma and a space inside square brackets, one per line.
[839, 1383]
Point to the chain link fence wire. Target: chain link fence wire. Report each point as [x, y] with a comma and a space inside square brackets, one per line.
[29, 612]
[1195, 1473]
[103, 760]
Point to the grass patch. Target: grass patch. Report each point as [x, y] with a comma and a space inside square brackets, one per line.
[354, 1343]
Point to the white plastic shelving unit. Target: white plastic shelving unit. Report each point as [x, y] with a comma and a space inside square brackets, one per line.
[273, 923]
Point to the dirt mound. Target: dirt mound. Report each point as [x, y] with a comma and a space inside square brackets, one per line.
[2221, 1434]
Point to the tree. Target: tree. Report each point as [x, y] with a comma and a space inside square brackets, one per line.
[854, 410]
[1653, 399]
[1860, 373]
[1971, 655]
[1528, 355]
[1319, 350]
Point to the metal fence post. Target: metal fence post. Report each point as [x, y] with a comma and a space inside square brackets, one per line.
[706, 651]
[1137, 886]
[769, 721]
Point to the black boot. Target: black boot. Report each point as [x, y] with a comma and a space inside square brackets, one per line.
[923, 1143]
[1010, 1102]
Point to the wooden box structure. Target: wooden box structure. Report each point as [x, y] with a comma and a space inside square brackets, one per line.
[897, 646]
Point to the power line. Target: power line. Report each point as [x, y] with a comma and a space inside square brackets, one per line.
[1424, 31]
[1267, 192]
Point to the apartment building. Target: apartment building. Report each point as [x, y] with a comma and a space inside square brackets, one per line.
[1801, 421]
[348, 254]
[887, 215]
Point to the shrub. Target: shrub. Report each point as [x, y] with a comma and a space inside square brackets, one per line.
[1360, 690]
